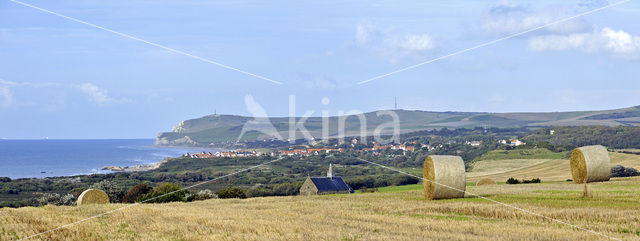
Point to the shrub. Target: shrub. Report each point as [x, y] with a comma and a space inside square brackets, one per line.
[205, 194]
[512, 180]
[136, 193]
[535, 180]
[382, 182]
[259, 192]
[5, 179]
[404, 180]
[286, 189]
[56, 199]
[621, 171]
[231, 192]
[360, 182]
[112, 189]
[165, 192]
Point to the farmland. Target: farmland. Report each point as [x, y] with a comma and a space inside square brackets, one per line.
[393, 213]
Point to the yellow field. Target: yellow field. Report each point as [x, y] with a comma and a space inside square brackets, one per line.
[546, 169]
[396, 213]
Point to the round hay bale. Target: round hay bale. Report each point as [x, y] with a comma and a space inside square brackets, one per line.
[590, 164]
[444, 177]
[486, 181]
[93, 196]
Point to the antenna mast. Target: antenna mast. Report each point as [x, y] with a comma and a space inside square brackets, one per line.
[395, 102]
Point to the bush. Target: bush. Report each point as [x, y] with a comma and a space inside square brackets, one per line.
[231, 192]
[165, 192]
[259, 192]
[5, 179]
[286, 189]
[404, 180]
[136, 193]
[56, 199]
[535, 180]
[382, 182]
[204, 195]
[360, 182]
[512, 180]
[112, 189]
[621, 171]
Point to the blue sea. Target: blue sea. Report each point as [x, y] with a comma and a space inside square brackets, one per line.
[47, 158]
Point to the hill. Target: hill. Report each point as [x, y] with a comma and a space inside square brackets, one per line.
[217, 129]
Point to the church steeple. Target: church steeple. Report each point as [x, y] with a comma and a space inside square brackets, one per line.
[330, 172]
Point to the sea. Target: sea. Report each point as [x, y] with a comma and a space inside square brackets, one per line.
[49, 158]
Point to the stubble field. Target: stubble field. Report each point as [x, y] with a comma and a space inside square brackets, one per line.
[394, 213]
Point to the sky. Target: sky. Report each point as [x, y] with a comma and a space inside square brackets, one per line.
[68, 80]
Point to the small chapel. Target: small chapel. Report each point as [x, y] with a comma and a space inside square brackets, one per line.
[325, 185]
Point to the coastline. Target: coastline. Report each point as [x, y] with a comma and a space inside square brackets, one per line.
[136, 168]
[65, 158]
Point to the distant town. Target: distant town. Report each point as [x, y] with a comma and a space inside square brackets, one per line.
[305, 152]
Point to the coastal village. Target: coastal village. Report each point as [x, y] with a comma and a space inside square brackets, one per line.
[306, 152]
[303, 152]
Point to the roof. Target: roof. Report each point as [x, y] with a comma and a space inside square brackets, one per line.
[330, 184]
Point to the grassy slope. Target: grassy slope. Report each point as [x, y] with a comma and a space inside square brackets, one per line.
[215, 128]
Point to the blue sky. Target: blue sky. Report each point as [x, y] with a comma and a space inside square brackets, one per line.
[63, 79]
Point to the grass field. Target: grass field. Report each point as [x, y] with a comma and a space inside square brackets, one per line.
[393, 213]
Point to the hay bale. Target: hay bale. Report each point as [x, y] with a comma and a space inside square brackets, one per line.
[486, 181]
[444, 177]
[590, 164]
[93, 196]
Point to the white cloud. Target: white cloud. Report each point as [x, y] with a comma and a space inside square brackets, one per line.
[508, 18]
[96, 94]
[6, 96]
[414, 42]
[618, 43]
[4, 82]
[363, 33]
[393, 44]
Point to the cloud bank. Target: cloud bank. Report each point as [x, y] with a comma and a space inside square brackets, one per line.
[617, 43]
[573, 35]
[510, 18]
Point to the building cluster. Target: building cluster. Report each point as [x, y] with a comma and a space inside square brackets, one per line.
[513, 142]
[377, 147]
[473, 143]
[308, 152]
[242, 153]
[236, 153]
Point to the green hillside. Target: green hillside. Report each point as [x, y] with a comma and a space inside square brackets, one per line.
[227, 128]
